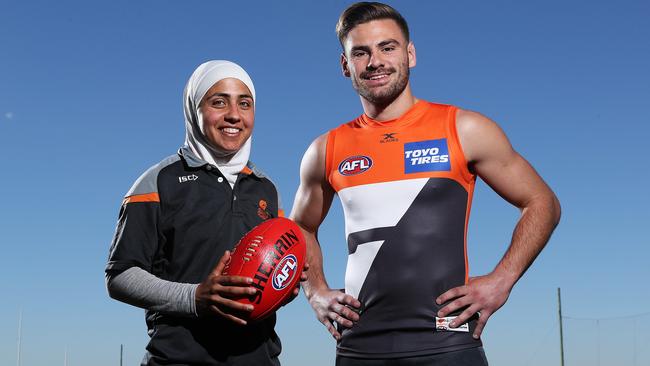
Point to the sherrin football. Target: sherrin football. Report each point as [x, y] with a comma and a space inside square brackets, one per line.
[273, 255]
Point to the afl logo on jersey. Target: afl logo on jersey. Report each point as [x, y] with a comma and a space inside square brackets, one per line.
[355, 165]
[284, 272]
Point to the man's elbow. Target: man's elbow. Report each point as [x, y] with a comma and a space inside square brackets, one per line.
[555, 209]
[301, 219]
[546, 207]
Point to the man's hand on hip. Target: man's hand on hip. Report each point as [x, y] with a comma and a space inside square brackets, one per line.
[334, 306]
[483, 296]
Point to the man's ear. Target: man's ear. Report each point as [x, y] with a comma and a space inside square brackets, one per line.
[410, 49]
[344, 65]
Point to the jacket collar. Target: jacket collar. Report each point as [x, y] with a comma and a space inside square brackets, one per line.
[196, 162]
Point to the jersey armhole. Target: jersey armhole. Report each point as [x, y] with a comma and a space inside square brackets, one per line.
[329, 154]
[459, 154]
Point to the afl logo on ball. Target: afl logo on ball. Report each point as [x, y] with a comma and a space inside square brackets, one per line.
[284, 272]
[355, 165]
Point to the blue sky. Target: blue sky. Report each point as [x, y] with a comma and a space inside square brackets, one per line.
[90, 96]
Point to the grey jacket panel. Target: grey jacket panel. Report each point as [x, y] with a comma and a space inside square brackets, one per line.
[148, 181]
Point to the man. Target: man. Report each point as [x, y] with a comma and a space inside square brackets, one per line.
[405, 172]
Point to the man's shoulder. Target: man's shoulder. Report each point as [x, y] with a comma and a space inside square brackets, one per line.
[468, 121]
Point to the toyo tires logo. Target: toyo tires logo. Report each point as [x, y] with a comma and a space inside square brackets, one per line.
[284, 272]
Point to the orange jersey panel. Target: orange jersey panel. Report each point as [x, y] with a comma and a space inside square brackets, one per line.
[422, 143]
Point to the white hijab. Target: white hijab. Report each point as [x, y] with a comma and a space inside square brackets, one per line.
[203, 78]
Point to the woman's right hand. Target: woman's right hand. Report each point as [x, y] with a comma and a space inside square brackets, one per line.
[214, 295]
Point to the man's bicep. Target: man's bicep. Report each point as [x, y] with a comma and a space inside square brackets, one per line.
[314, 195]
[514, 179]
[492, 157]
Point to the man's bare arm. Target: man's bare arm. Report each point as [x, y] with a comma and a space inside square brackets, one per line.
[491, 156]
[312, 202]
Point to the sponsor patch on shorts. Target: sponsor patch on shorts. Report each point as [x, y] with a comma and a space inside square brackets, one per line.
[426, 156]
[442, 324]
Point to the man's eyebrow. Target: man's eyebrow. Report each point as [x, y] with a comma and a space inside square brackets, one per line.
[387, 42]
[360, 48]
[380, 44]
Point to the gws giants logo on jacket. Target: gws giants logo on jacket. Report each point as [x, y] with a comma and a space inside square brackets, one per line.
[355, 165]
[261, 210]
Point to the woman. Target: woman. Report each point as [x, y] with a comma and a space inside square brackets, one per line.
[182, 216]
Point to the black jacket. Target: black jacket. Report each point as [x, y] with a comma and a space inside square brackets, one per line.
[176, 222]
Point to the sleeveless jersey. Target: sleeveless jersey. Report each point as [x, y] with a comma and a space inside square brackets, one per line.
[406, 193]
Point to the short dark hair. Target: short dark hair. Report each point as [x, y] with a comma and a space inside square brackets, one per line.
[364, 12]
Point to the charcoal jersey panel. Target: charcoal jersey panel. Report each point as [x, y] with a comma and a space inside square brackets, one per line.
[406, 194]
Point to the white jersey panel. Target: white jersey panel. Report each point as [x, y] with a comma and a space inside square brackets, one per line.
[392, 199]
[377, 205]
[358, 266]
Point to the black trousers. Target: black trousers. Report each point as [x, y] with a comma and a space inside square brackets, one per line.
[465, 357]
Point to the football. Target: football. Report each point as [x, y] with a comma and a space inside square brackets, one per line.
[273, 255]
